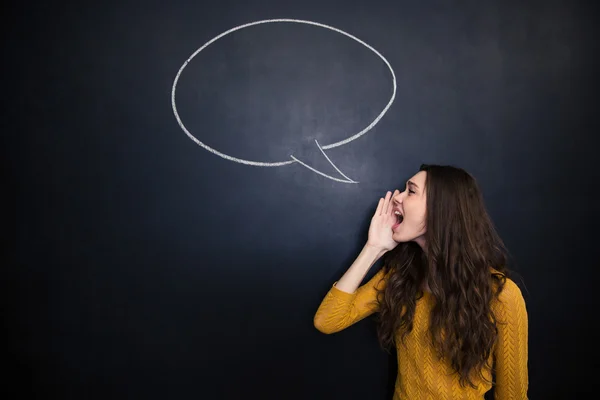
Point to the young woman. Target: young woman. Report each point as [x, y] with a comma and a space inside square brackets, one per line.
[443, 296]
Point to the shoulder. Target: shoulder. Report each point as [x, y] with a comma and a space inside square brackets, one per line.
[510, 300]
[510, 290]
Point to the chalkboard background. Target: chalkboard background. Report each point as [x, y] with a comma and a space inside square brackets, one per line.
[140, 265]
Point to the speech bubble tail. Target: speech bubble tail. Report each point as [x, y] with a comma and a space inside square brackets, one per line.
[346, 180]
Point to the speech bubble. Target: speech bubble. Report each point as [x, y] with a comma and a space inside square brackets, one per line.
[293, 159]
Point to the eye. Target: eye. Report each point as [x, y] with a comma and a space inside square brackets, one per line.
[411, 191]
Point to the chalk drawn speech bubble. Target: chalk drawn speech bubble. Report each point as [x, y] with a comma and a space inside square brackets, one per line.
[292, 159]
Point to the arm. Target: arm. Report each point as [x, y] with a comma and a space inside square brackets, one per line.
[511, 350]
[346, 303]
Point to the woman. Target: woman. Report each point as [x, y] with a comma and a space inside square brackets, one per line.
[443, 296]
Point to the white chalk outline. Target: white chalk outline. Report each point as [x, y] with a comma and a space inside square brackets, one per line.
[326, 147]
[321, 173]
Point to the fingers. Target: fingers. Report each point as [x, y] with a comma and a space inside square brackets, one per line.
[390, 203]
[379, 207]
[386, 203]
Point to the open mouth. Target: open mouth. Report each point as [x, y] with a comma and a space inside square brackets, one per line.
[399, 219]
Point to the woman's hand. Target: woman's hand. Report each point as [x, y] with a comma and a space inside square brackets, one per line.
[380, 231]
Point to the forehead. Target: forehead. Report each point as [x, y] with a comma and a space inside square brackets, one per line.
[419, 178]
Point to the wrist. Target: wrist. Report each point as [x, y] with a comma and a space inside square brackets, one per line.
[374, 251]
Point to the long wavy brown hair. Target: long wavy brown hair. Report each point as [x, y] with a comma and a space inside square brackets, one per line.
[461, 247]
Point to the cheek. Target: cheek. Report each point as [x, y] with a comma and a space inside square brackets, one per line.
[417, 212]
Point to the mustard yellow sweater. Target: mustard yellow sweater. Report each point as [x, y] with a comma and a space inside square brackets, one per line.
[421, 375]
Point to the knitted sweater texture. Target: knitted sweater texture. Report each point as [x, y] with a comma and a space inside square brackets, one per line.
[421, 375]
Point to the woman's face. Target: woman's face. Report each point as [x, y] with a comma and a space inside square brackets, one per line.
[410, 206]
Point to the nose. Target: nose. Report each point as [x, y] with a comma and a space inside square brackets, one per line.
[398, 197]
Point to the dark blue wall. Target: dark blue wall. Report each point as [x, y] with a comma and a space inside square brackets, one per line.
[140, 265]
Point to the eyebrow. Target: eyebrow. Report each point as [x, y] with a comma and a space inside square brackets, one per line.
[412, 183]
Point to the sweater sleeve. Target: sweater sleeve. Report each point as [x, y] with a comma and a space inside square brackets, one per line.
[511, 350]
[339, 309]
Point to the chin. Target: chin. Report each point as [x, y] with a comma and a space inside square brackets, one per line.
[400, 238]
